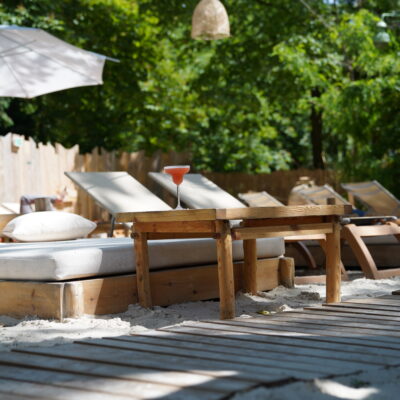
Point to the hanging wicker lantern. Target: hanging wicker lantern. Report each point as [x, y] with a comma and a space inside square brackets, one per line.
[210, 21]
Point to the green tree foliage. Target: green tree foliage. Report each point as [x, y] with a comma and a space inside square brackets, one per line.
[299, 83]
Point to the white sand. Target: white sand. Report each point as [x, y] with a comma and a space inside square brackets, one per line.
[30, 332]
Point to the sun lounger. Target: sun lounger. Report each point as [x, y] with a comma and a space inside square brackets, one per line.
[374, 196]
[313, 194]
[117, 192]
[198, 192]
[260, 199]
[380, 201]
[97, 276]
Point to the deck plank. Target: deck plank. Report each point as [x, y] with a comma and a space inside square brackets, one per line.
[328, 327]
[356, 336]
[216, 360]
[251, 330]
[141, 374]
[209, 351]
[293, 346]
[368, 304]
[226, 346]
[46, 391]
[343, 316]
[137, 390]
[337, 321]
[163, 362]
[388, 315]
[9, 396]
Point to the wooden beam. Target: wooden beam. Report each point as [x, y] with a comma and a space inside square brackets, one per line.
[171, 227]
[283, 230]
[378, 230]
[287, 221]
[19, 299]
[235, 213]
[286, 272]
[160, 236]
[282, 212]
[168, 216]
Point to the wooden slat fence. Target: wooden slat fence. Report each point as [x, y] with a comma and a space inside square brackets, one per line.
[39, 169]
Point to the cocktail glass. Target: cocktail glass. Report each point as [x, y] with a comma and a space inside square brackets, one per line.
[177, 172]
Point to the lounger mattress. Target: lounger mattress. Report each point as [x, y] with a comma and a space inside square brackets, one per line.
[83, 258]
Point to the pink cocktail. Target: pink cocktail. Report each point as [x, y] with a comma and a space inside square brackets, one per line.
[177, 173]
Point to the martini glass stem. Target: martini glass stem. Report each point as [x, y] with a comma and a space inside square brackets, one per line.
[178, 195]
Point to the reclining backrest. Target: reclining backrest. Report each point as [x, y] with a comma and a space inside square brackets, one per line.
[260, 199]
[318, 195]
[198, 192]
[117, 192]
[373, 195]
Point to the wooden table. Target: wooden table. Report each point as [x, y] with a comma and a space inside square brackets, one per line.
[257, 222]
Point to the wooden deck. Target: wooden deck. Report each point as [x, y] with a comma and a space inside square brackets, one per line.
[212, 359]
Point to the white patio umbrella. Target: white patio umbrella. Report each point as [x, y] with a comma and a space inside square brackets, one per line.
[33, 63]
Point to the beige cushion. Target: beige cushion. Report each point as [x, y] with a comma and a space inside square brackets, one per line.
[55, 261]
[117, 192]
[198, 192]
[48, 225]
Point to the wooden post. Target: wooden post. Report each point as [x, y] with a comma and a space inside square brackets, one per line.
[333, 264]
[225, 270]
[73, 295]
[142, 269]
[250, 266]
[286, 272]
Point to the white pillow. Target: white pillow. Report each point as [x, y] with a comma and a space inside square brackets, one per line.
[48, 225]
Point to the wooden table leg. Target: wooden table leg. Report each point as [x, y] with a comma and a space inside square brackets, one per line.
[142, 269]
[333, 264]
[225, 271]
[250, 266]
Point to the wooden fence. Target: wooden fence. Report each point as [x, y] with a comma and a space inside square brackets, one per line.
[30, 168]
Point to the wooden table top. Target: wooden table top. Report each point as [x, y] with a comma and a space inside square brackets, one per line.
[213, 214]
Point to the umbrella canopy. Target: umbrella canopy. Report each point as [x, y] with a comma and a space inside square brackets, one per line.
[33, 63]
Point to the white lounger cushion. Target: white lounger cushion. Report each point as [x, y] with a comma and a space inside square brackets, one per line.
[55, 261]
[117, 192]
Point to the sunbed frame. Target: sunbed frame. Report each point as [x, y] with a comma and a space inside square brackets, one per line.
[113, 294]
[353, 230]
[354, 234]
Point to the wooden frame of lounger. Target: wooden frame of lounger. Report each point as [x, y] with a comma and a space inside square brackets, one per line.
[113, 294]
[367, 192]
[319, 195]
[264, 199]
[353, 233]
